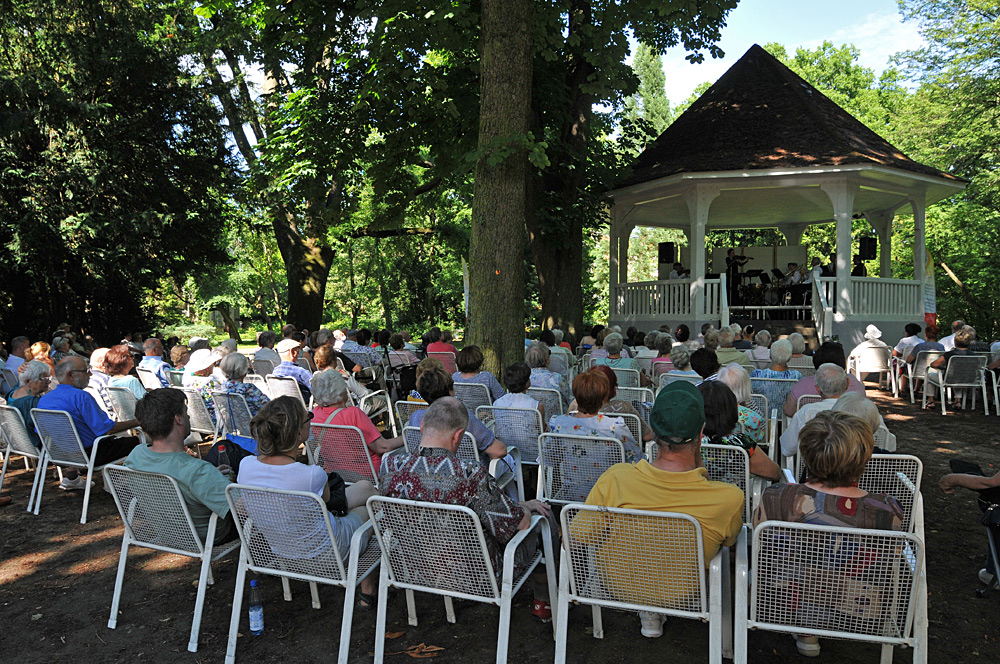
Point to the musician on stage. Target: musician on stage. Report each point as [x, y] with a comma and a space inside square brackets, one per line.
[679, 272]
[734, 265]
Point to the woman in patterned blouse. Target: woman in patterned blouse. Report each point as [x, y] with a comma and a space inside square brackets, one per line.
[591, 390]
[721, 418]
[234, 367]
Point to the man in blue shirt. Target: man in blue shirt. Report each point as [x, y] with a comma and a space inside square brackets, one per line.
[363, 355]
[90, 421]
[153, 361]
[288, 349]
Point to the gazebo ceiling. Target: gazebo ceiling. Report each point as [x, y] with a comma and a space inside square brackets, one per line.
[768, 139]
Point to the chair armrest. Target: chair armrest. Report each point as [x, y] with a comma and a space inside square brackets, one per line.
[789, 476]
[539, 524]
[494, 466]
[365, 531]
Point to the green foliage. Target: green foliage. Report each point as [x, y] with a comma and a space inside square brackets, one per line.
[185, 332]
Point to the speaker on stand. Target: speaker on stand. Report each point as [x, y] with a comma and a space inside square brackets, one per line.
[868, 248]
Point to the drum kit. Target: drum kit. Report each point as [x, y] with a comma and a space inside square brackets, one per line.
[770, 292]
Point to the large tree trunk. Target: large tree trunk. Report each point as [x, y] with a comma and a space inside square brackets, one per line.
[225, 310]
[307, 264]
[496, 274]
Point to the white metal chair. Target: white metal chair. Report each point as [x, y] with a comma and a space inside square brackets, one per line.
[918, 369]
[731, 464]
[123, 402]
[871, 360]
[775, 389]
[341, 448]
[570, 465]
[898, 475]
[519, 427]
[285, 386]
[631, 421]
[258, 381]
[550, 399]
[641, 399]
[808, 398]
[447, 359]
[9, 379]
[473, 395]
[17, 442]
[149, 380]
[288, 534]
[666, 379]
[845, 583]
[638, 560]
[406, 409]
[304, 363]
[201, 419]
[262, 367]
[441, 549]
[469, 452]
[965, 372]
[627, 377]
[176, 377]
[802, 365]
[62, 447]
[232, 413]
[645, 364]
[155, 516]
[375, 404]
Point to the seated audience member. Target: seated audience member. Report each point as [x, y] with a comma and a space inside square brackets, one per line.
[988, 487]
[930, 343]
[36, 380]
[560, 359]
[761, 352]
[612, 405]
[118, 363]
[750, 422]
[99, 380]
[199, 375]
[680, 361]
[873, 341]
[288, 349]
[936, 369]
[153, 360]
[906, 344]
[675, 482]
[977, 345]
[829, 352]
[280, 427]
[470, 361]
[650, 346]
[235, 367]
[705, 363]
[441, 342]
[265, 351]
[199, 343]
[61, 348]
[517, 379]
[798, 344]
[726, 353]
[179, 356]
[18, 348]
[854, 404]
[776, 393]
[591, 389]
[561, 341]
[831, 382]
[163, 416]
[589, 340]
[90, 421]
[682, 335]
[739, 342]
[332, 407]
[663, 362]
[40, 351]
[949, 341]
[406, 341]
[710, 340]
[435, 473]
[359, 353]
[400, 355]
[425, 365]
[615, 360]
[722, 427]
[326, 360]
[835, 447]
[537, 358]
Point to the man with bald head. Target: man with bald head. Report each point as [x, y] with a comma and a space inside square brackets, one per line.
[153, 360]
[90, 421]
[831, 381]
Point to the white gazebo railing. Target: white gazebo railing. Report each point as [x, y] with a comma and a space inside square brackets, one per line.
[886, 297]
[667, 299]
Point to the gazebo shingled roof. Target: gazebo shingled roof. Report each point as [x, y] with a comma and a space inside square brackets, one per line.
[762, 115]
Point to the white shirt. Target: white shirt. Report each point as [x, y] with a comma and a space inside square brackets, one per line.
[516, 400]
[676, 275]
[790, 438]
[905, 344]
[794, 278]
[948, 342]
[813, 274]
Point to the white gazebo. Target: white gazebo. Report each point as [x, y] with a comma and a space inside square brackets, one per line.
[764, 149]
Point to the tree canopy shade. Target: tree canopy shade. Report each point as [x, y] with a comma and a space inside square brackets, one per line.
[112, 164]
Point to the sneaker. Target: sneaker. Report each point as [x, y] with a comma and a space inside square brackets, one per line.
[808, 645]
[985, 577]
[541, 611]
[77, 484]
[652, 624]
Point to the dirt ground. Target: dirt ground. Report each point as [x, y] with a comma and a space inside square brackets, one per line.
[57, 578]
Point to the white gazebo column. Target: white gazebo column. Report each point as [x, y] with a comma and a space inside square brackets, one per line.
[919, 241]
[617, 214]
[842, 194]
[698, 200]
[792, 233]
[881, 221]
[624, 236]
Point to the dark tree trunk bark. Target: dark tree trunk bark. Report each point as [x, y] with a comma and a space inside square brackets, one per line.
[307, 264]
[231, 327]
[496, 273]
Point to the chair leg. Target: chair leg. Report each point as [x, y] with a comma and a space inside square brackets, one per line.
[286, 589]
[40, 476]
[449, 609]
[502, 640]
[561, 617]
[383, 600]
[885, 657]
[314, 592]
[347, 622]
[550, 573]
[86, 484]
[234, 619]
[411, 608]
[119, 580]
[3, 473]
[199, 601]
[597, 619]
[727, 608]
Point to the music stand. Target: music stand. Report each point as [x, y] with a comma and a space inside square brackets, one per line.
[764, 279]
[778, 274]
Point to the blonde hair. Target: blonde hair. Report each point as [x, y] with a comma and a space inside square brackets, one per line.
[738, 380]
[835, 447]
[428, 364]
[276, 425]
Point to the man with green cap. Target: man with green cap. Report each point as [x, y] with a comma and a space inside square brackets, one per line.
[675, 482]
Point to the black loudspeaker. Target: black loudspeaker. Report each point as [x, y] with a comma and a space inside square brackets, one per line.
[868, 248]
[668, 252]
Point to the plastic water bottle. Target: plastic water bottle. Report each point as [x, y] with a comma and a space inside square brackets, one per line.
[224, 466]
[256, 610]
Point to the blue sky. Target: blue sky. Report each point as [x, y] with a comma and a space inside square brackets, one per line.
[874, 26]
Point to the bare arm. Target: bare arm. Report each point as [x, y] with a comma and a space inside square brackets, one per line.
[761, 465]
[382, 445]
[949, 482]
[496, 450]
[122, 426]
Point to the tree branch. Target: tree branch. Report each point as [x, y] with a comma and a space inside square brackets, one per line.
[391, 232]
[427, 186]
[231, 111]
[244, 92]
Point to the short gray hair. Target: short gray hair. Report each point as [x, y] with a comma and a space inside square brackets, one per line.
[726, 337]
[798, 343]
[60, 344]
[738, 380]
[736, 328]
[781, 351]
[831, 380]
[664, 342]
[34, 370]
[558, 334]
[323, 337]
[680, 357]
[712, 339]
[234, 366]
[763, 338]
[230, 344]
[613, 343]
[446, 415]
[328, 387]
[537, 355]
[651, 338]
[266, 339]
[854, 403]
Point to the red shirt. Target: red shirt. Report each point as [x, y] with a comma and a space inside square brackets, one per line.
[354, 417]
[441, 347]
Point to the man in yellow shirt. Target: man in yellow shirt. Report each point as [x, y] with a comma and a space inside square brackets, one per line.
[675, 482]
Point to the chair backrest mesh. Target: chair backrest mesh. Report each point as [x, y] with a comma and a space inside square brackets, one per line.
[924, 358]
[201, 420]
[10, 378]
[262, 367]
[758, 404]
[627, 377]
[447, 359]
[550, 399]
[651, 559]
[570, 465]
[405, 409]
[838, 579]
[123, 401]
[58, 434]
[152, 507]
[518, 427]
[666, 379]
[473, 395]
[342, 449]
[176, 378]
[259, 383]
[148, 379]
[631, 422]
[809, 398]
[898, 475]
[729, 464]
[285, 386]
[467, 450]
[433, 546]
[232, 411]
[775, 389]
[285, 532]
[15, 432]
[965, 370]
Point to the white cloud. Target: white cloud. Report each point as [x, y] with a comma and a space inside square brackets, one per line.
[878, 37]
